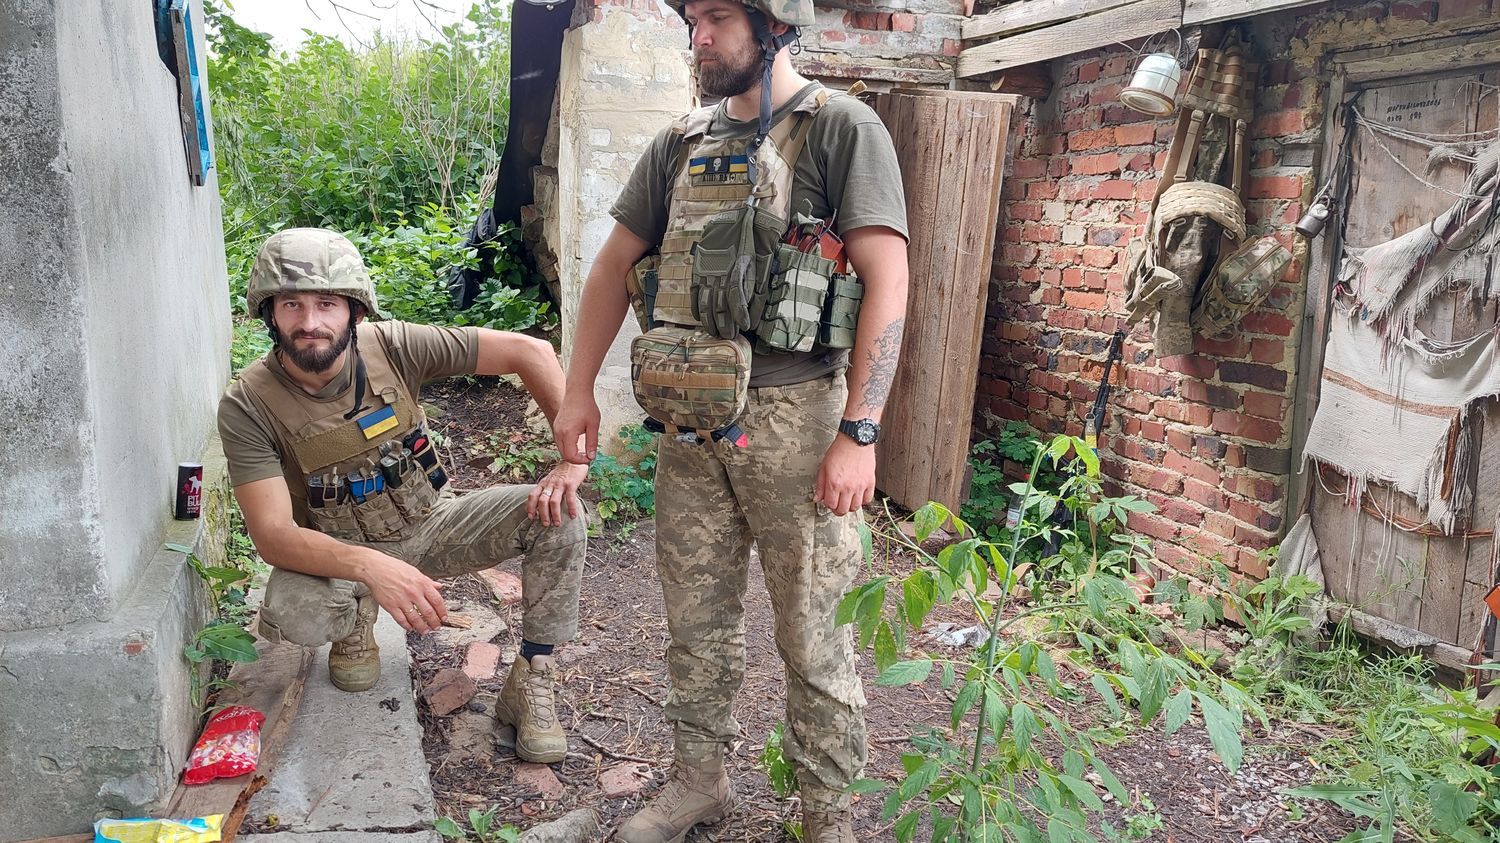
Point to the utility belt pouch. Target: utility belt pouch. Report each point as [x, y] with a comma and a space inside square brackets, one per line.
[337, 521]
[795, 301]
[841, 311]
[731, 268]
[378, 518]
[411, 492]
[640, 287]
[690, 379]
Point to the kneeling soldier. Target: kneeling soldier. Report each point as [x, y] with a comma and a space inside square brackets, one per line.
[334, 468]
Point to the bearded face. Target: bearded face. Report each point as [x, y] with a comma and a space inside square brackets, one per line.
[317, 351]
[728, 69]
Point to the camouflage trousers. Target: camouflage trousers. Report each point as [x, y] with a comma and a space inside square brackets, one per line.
[462, 535]
[712, 503]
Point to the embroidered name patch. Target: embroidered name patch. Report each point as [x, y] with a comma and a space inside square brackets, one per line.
[378, 422]
[719, 168]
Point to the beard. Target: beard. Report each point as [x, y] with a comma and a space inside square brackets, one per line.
[730, 75]
[310, 359]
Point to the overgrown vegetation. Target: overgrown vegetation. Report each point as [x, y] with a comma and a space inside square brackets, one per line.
[388, 143]
[1410, 759]
[626, 487]
[224, 639]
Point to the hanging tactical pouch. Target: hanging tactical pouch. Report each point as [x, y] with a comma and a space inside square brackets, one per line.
[841, 311]
[794, 305]
[731, 267]
[640, 288]
[415, 497]
[690, 379]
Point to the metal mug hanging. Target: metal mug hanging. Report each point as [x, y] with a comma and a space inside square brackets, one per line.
[1153, 88]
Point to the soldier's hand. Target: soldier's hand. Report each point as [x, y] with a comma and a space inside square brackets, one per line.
[846, 476]
[411, 596]
[576, 430]
[545, 503]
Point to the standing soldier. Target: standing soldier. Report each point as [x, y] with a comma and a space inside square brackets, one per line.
[333, 466]
[740, 207]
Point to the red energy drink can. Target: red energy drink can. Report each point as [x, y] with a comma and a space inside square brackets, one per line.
[189, 491]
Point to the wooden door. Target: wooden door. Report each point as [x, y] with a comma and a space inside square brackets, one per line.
[1433, 585]
[951, 146]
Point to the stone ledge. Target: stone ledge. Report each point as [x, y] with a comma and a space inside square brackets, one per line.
[97, 719]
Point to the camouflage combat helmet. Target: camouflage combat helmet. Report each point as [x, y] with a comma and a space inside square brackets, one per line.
[789, 12]
[309, 260]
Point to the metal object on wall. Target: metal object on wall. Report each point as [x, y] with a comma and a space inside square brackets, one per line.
[1153, 88]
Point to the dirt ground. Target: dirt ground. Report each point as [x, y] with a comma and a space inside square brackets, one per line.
[613, 681]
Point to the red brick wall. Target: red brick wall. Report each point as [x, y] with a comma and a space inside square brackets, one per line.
[1206, 436]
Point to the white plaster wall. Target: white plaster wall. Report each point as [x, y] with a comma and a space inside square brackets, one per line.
[624, 77]
[122, 310]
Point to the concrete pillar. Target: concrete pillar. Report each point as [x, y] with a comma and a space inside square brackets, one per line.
[114, 330]
[625, 76]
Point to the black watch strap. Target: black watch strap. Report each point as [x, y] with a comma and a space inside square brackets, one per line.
[862, 431]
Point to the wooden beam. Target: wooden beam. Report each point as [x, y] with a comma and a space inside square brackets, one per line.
[273, 686]
[1401, 637]
[1136, 20]
[1030, 14]
[1029, 80]
[1446, 55]
[1214, 11]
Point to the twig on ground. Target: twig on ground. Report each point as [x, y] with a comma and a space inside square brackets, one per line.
[610, 753]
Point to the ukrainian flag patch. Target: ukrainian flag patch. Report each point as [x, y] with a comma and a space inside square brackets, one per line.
[378, 422]
[720, 168]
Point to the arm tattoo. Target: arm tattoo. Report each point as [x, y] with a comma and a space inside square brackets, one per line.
[883, 359]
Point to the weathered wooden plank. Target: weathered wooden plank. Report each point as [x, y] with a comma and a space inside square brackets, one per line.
[1136, 20]
[1214, 11]
[1449, 55]
[1030, 14]
[1405, 638]
[973, 192]
[893, 468]
[186, 107]
[272, 685]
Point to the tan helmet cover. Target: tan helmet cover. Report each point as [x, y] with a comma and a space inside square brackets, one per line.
[309, 260]
[790, 12]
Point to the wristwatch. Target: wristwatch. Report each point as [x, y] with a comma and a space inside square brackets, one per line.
[862, 431]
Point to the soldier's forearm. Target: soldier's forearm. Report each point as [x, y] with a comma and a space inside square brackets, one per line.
[880, 259]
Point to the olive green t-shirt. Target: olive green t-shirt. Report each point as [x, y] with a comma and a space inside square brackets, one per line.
[848, 165]
[418, 353]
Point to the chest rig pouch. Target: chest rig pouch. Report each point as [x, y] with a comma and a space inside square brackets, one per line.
[372, 476]
[724, 272]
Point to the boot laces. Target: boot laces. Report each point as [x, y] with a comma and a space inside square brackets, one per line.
[537, 689]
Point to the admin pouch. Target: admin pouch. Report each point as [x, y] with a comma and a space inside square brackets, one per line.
[689, 379]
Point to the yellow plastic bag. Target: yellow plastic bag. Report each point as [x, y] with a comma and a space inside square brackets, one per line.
[199, 830]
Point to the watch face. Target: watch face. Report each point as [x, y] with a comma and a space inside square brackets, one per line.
[865, 432]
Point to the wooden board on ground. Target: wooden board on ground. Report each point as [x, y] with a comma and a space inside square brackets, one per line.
[1134, 20]
[951, 146]
[272, 685]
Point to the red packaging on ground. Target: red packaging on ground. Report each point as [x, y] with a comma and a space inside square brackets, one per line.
[228, 747]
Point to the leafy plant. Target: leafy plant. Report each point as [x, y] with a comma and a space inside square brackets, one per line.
[626, 488]
[987, 777]
[779, 771]
[481, 825]
[220, 640]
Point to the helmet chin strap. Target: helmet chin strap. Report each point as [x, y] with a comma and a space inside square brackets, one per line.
[361, 377]
[770, 45]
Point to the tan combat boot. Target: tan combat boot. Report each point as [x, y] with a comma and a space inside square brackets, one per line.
[696, 793]
[827, 826]
[354, 661]
[526, 702]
